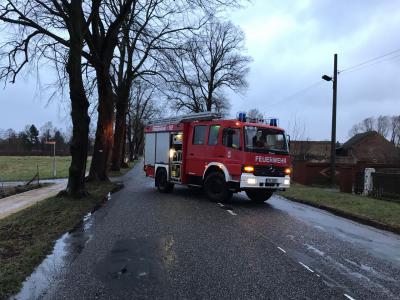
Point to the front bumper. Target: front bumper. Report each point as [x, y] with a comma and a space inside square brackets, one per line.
[265, 182]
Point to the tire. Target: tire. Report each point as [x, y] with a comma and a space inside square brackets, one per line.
[216, 188]
[162, 183]
[259, 195]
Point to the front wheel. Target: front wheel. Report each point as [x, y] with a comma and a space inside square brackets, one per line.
[259, 195]
[216, 188]
[162, 183]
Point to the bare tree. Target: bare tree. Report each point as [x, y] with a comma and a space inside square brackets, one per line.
[254, 113]
[387, 126]
[355, 129]
[301, 145]
[107, 18]
[52, 30]
[367, 124]
[395, 130]
[383, 125]
[142, 109]
[205, 66]
[149, 28]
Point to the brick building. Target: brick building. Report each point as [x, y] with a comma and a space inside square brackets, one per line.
[369, 147]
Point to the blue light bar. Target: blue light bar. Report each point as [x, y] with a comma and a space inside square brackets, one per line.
[242, 117]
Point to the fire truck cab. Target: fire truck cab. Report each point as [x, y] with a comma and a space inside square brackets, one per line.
[221, 156]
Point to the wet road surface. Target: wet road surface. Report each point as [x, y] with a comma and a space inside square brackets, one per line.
[147, 245]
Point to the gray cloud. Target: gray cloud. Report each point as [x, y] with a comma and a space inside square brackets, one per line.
[292, 44]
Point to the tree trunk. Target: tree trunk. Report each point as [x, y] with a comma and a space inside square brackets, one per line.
[130, 142]
[124, 164]
[139, 135]
[104, 131]
[79, 107]
[119, 133]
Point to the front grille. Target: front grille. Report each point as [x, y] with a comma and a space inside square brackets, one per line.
[269, 171]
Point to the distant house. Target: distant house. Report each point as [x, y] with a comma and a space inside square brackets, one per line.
[310, 150]
[369, 147]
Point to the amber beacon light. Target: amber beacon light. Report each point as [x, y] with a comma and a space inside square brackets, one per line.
[248, 169]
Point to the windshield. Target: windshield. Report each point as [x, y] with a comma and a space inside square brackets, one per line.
[265, 140]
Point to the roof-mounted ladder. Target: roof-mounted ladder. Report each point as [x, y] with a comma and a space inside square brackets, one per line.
[202, 116]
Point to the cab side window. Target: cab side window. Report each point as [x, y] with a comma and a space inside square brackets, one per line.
[231, 138]
[199, 135]
[213, 135]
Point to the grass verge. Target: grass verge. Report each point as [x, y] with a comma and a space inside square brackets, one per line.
[378, 213]
[29, 235]
[14, 190]
[123, 171]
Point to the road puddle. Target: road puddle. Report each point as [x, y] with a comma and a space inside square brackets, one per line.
[51, 270]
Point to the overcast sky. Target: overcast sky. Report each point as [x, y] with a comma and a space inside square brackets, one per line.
[292, 44]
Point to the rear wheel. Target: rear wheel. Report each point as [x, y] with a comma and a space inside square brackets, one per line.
[216, 188]
[162, 183]
[259, 195]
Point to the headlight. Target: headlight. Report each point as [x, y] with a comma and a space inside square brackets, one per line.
[251, 181]
[288, 171]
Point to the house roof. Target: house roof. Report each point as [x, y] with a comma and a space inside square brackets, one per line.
[357, 138]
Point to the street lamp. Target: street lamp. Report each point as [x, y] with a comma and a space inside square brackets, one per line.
[326, 77]
[333, 134]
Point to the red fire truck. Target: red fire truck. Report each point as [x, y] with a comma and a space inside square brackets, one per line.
[221, 156]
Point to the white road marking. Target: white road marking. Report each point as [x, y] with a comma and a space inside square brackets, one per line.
[349, 297]
[307, 267]
[317, 275]
[220, 204]
[281, 249]
[231, 212]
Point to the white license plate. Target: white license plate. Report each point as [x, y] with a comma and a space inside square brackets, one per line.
[272, 180]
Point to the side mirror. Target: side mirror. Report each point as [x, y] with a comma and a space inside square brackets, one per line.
[288, 141]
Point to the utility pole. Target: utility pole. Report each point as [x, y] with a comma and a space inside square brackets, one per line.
[333, 134]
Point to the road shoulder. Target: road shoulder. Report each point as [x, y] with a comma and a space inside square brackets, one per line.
[27, 236]
[369, 211]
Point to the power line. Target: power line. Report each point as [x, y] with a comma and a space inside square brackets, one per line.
[373, 64]
[299, 92]
[369, 61]
[350, 69]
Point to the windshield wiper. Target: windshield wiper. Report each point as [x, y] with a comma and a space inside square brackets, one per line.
[267, 151]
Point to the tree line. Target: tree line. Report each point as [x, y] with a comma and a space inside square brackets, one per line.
[124, 58]
[387, 126]
[31, 140]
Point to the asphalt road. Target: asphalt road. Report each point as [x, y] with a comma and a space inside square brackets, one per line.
[143, 244]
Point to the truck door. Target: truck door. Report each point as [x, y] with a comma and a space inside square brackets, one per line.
[231, 139]
[196, 154]
[215, 151]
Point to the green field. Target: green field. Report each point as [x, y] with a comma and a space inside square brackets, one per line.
[24, 167]
[365, 208]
